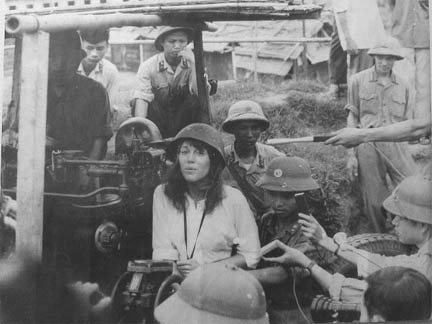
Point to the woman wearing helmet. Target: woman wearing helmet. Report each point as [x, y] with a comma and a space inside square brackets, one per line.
[197, 219]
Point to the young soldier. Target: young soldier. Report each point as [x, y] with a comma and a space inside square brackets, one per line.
[95, 43]
[247, 160]
[166, 90]
[284, 177]
[378, 97]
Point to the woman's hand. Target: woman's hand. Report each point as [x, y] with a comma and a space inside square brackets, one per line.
[290, 257]
[186, 266]
[311, 228]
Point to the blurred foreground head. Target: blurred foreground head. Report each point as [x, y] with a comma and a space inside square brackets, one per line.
[216, 294]
[396, 294]
[55, 302]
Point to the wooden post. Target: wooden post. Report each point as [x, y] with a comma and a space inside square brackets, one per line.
[430, 76]
[31, 151]
[201, 82]
[304, 52]
[255, 55]
[141, 53]
[16, 84]
[2, 33]
[234, 65]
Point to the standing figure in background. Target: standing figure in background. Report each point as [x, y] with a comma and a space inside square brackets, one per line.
[166, 89]
[337, 64]
[359, 27]
[378, 97]
[246, 159]
[95, 43]
[410, 25]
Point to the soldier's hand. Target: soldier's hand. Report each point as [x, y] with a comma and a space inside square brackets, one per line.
[290, 257]
[94, 305]
[352, 168]
[311, 228]
[188, 55]
[348, 137]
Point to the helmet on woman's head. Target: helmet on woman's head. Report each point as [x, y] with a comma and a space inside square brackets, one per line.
[200, 132]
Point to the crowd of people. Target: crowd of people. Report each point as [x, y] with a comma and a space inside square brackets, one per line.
[221, 203]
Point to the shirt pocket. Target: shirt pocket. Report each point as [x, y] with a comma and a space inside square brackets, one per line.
[368, 103]
[397, 106]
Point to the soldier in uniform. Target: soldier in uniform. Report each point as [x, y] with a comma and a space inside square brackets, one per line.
[284, 177]
[247, 160]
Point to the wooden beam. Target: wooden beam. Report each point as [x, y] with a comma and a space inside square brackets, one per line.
[201, 82]
[31, 151]
[289, 40]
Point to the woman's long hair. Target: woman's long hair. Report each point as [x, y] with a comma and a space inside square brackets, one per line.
[176, 186]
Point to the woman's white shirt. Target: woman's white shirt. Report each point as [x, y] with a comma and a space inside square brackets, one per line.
[230, 223]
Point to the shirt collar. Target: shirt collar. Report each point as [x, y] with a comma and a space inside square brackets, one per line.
[163, 65]
[258, 161]
[98, 68]
[374, 76]
[426, 249]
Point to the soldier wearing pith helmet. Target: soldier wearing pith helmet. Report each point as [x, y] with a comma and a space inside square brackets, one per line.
[247, 160]
[166, 90]
[284, 177]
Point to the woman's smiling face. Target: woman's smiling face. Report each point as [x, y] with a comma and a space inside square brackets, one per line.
[194, 162]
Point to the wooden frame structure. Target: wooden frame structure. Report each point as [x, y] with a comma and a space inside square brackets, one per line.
[33, 48]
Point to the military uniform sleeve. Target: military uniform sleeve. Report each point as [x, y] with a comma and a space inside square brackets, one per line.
[143, 86]
[367, 263]
[163, 248]
[247, 230]
[346, 289]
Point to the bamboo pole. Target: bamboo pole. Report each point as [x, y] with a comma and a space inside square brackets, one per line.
[54, 23]
[201, 82]
[239, 40]
[31, 151]
[430, 57]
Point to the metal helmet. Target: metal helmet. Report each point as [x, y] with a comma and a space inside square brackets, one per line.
[244, 110]
[389, 46]
[412, 199]
[289, 174]
[200, 132]
[168, 30]
[216, 294]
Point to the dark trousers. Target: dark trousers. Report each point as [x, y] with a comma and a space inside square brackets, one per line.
[338, 61]
[171, 110]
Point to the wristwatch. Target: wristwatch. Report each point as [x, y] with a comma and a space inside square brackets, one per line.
[310, 266]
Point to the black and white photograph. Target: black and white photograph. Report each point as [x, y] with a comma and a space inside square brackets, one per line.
[215, 161]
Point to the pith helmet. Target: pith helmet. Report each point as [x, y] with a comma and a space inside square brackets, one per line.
[216, 294]
[387, 47]
[168, 30]
[200, 132]
[412, 199]
[244, 110]
[289, 174]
